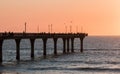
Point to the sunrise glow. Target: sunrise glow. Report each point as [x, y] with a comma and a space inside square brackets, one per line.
[96, 17]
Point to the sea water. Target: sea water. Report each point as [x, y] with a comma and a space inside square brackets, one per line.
[101, 56]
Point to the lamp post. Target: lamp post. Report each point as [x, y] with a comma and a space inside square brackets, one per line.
[25, 26]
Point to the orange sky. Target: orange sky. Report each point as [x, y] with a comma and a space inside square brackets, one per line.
[97, 17]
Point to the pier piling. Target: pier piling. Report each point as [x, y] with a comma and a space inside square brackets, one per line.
[64, 45]
[32, 48]
[68, 45]
[44, 46]
[18, 49]
[55, 46]
[72, 44]
[1, 42]
[81, 42]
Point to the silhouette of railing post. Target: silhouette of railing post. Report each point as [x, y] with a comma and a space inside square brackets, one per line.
[1, 42]
[55, 46]
[68, 45]
[18, 49]
[72, 44]
[32, 48]
[44, 46]
[64, 45]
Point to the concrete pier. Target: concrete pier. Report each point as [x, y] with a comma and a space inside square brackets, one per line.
[81, 50]
[1, 42]
[81, 42]
[44, 46]
[32, 47]
[66, 37]
[72, 44]
[55, 46]
[64, 45]
[68, 43]
[17, 48]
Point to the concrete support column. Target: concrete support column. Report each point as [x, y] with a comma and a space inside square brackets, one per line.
[68, 45]
[17, 49]
[64, 45]
[1, 42]
[81, 43]
[32, 48]
[72, 44]
[55, 46]
[44, 46]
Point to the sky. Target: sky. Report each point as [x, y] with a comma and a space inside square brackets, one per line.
[95, 17]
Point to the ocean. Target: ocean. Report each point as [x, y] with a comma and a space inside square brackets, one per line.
[101, 56]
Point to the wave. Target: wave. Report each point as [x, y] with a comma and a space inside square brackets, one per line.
[79, 69]
[96, 69]
[98, 49]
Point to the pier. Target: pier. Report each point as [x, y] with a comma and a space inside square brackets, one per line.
[66, 37]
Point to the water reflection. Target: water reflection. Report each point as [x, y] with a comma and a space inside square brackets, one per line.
[9, 73]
